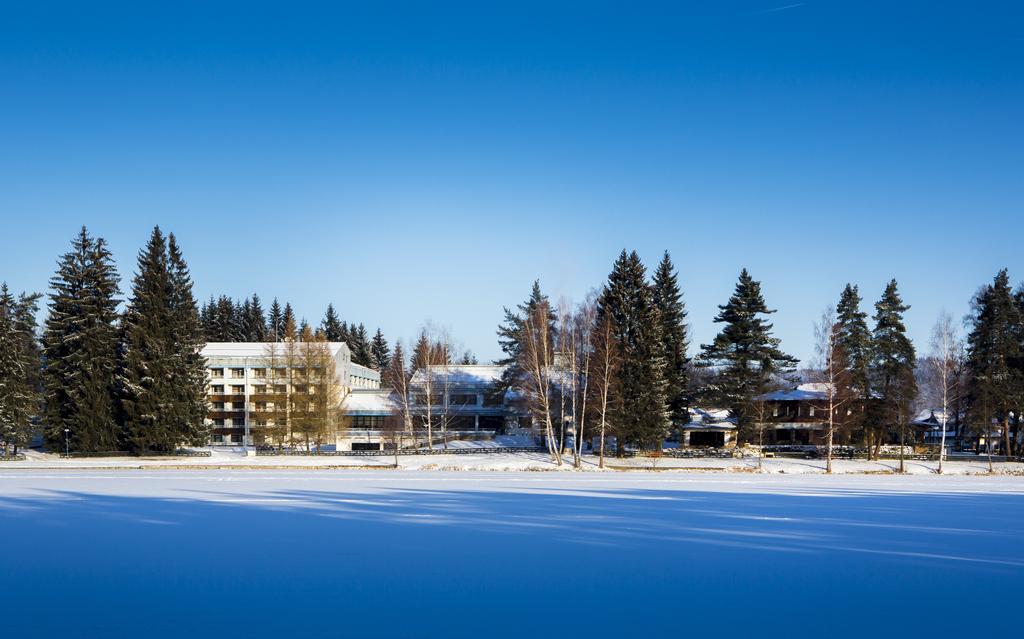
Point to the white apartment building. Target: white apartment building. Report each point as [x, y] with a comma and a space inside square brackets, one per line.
[245, 378]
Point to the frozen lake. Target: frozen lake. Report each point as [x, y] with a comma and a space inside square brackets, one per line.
[159, 553]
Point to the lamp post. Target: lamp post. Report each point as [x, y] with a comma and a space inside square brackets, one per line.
[67, 443]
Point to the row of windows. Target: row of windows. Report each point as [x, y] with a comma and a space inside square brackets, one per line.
[259, 373]
[262, 389]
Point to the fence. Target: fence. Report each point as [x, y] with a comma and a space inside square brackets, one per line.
[405, 451]
[126, 453]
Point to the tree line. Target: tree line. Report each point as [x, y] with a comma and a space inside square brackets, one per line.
[99, 378]
[227, 320]
[619, 363]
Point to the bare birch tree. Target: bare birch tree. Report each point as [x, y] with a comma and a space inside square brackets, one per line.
[943, 386]
[536, 359]
[832, 372]
[604, 373]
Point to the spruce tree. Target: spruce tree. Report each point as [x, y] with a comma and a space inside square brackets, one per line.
[331, 325]
[745, 352]
[275, 322]
[640, 414]
[996, 383]
[361, 347]
[421, 357]
[19, 369]
[288, 323]
[511, 336]
[80, 344]
[162, 373]
[853, 340]
[256, 322]
[892, 367]
[380, 352]
[187, 369]
[674, 339]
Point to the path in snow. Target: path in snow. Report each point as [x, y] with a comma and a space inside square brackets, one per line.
[292, 553]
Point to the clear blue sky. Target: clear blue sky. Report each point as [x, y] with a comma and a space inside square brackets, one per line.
[409, 161]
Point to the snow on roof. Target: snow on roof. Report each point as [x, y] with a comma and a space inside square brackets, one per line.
[254, 349]
[369, 401]
[803, 392]
[710, 418]
[462, 373]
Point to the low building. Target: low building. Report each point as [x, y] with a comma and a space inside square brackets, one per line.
[796, 416]
[464, 403]
[712, 427]
[249, 382]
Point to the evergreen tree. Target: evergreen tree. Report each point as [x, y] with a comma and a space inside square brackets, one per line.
[80, 349]
[331, 325]
[305, 332]
[468, 359]
[421, 353]
[19, 369]
[345, 335]
[186, 405]
[288, 323]
[674, 339]
[994, 359]
[511, 335]
[256, 322]
[361, 347]
[162, 377]
[892, 366]
[380, 352]
[853, 341]
[275, 322]
[747, 354]
[639, 414]
[208, 318]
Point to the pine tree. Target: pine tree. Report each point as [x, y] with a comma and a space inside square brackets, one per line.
[747, 354]
[361, 347]
[187, 369]
[994, 359]
[853, 341]
[674, 339]
[275, 322]
[380, 352]
[468, 359]
[640, 415]
[892, 366]
[80, 349]
[331, 325]
[345, 335]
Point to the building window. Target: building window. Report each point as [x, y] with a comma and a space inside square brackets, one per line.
[237, 373]
[217, 373]
[218, 422]
[217, 389]
[810, 411]
[218, 406]
[260, 373]
[259, 389]
[218, 439]
[280, 389]
[261, 406]
[238, 390]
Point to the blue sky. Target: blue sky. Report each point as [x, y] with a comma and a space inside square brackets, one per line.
[411, 161]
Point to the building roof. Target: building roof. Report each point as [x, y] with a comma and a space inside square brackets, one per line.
[803, 392]
[254, 349]
[371, 401]
[710, 419]
[469, 374]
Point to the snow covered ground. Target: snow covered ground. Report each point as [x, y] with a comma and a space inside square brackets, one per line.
[259, 552]
[530, 461]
